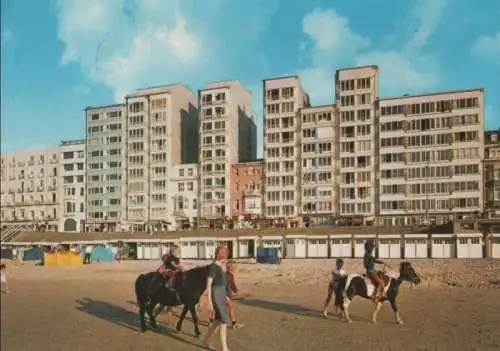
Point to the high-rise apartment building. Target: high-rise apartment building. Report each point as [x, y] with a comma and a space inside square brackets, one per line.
[283, 98]
[160, 132]
[246, 189]
[431, 150]
[30, 189]
[492, 174]
[319, 159]
[356, 93]
[104, 166]
[227, 136]
[72, 186]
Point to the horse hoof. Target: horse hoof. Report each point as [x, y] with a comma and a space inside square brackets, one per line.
[400, 323]
[349, 321]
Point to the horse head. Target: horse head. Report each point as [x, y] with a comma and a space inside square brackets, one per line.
[408, 273]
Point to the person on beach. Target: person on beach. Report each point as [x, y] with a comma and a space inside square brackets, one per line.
[369, 262]
[217, 293]
[231, 292]
[3, 279]
[337, 273]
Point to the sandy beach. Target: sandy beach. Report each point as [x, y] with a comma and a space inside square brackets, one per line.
[93, 307]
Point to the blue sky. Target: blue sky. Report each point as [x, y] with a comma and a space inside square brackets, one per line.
[64, 55]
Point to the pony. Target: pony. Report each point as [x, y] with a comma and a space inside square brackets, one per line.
[358, 285]
[192, 285]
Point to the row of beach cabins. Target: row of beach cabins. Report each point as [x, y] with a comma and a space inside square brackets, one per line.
[294, 244]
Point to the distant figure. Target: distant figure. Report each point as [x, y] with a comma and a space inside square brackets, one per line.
[337, 273]
[279, 256]
[3, 279]
[88, 253]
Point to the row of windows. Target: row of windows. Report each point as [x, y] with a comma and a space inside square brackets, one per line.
[430, 107]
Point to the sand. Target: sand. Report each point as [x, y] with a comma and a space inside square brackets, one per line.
[93, 307]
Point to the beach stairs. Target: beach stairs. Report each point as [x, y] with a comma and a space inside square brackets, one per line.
[11, 232]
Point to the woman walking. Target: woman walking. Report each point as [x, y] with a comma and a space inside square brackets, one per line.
[216, 291]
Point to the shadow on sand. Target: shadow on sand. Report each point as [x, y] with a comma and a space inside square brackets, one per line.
[118, 315]
[280, 307]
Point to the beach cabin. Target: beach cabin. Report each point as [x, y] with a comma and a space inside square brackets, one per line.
[247, 246]
[495, 245]
[470, 245]
[205, 248]
[359, 243]
[389, 245]
[443, 246]
[190, 250]
[149, 249]
[317, 246]
[296, 246]
[415, 246]
[272, 241]
[341, 245]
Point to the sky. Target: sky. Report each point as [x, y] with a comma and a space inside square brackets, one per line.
[64, 55]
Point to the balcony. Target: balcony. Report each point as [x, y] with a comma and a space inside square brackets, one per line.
[39, 189]
[12, 177]
[492, 204]
[30, 189]
[21, 164]
[31, 163]
[41, 162]
[12, 190]
[53, 160]
[52, 188]
[20, 177]
[20, 190]
[31, 176]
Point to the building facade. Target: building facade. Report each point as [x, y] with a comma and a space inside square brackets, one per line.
[104, 166]
[227, 136]
[283, 99]
[356, 95]
[246, 181]
[30, 189]
[492, 174]
[184, 195]
[431, 149]
[72, 186]
[319, 164]
[160, 133]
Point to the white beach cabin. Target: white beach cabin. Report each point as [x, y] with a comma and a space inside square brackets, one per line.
[317, 246]
[247, 246]
[470, 245]
[389, 245]
[359, 243]
[296, 246]
[416, 246]
[189, 248]
[443, 245]
[341, 245]
[495, 245]
[149, 249]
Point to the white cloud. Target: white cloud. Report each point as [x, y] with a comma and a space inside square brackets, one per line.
[404, 69]
[488, 47]
[128, 44]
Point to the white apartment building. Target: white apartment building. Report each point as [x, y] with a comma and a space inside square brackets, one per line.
[184, 194]
[431, 152]
[320, 163]
[72, 186]
[29, 189]
[160, 132]
[283, 98]
[356, 92]
[227, 136]
[104, 166]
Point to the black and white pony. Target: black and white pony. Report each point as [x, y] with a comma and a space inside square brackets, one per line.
[354, 285]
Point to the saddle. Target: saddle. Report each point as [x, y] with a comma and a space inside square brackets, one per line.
[381, 274]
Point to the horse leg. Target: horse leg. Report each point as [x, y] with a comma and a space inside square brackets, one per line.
[196, 321]
[375, 311]
[345, 308]
[394, 307]
[158, 310]
[142, 312]
[152, 318]
[181, 318]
